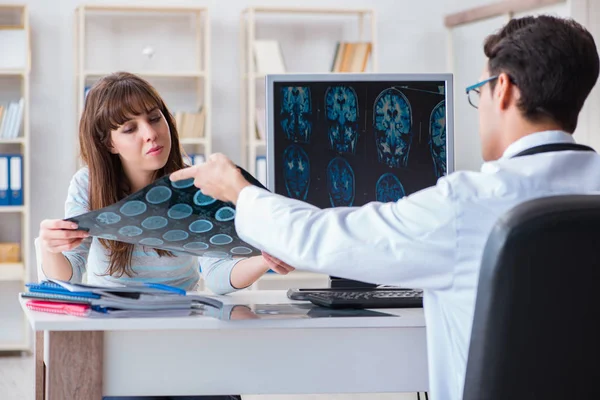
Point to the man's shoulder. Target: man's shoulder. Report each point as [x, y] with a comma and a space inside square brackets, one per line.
[468, 184]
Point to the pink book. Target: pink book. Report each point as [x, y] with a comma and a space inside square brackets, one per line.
[79, 310]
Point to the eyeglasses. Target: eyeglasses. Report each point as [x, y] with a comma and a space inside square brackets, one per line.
[474, 91]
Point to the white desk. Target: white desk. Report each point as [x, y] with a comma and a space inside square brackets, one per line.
[87, 358]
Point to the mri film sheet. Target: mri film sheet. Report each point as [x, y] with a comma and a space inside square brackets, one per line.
[173, 216]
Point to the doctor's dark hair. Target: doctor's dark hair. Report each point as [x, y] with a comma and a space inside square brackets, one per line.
[112, 101]
[554, 63]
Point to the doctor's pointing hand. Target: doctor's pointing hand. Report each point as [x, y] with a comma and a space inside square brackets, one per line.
[220, 179]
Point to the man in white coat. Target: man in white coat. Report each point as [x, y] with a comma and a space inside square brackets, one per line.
[539, 73]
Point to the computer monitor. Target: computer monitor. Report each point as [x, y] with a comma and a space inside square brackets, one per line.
[348, 139]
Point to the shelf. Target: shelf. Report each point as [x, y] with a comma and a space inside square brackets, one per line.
[185, 86]
[14, 347]
[13, 276]
[192, 141]
[251, 77]
[11, 6]
[130, 8]
[13, 72]
[12, 271]
[12, 209]
[151, 74]
[255, 76]
[284, 10]
[18, 140]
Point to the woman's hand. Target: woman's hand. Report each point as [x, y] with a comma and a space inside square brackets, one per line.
[57, 235]
[277, 265]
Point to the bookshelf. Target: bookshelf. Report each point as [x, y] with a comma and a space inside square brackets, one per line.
[362, 25]
[363, 20]
[15, 65]
[145, 41]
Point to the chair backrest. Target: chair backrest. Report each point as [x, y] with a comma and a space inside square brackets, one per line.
[538, 301]
[38, 259]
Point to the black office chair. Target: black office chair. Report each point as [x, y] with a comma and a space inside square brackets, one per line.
[535, 332]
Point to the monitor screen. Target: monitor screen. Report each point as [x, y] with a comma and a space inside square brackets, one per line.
[348, 139]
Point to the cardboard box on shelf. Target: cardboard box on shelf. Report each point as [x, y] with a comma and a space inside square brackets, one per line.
[10, 252]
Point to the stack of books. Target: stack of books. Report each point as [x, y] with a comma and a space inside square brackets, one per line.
[190, 125]
[11, 119]
[140, 300]
[351, 57]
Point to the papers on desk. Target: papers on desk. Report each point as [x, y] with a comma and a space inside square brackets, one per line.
[147, 300]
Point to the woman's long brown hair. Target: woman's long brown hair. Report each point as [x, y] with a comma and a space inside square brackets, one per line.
[111, 102]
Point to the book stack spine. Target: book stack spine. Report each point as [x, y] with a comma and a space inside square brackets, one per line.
[11, 119]
[351, 57]
[190, 124]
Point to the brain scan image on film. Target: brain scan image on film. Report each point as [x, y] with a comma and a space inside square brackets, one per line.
[173, 216]
[340, 182]
[392, 121]
[342, 118]
[296, 172]
[296, 113]
[437, 138]
[389, 188]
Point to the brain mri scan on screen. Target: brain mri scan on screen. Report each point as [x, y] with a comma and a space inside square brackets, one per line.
[338, 140]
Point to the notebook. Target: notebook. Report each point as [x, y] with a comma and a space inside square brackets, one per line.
[119, 300]
[78, 310]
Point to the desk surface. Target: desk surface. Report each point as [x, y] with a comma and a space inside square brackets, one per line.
[403, 318]
[204, 355]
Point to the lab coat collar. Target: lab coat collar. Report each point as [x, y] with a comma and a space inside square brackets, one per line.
[537, 139]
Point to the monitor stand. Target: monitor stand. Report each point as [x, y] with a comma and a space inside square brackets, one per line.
[335, 282]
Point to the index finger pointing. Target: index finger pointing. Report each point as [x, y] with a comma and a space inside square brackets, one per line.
[184, 173]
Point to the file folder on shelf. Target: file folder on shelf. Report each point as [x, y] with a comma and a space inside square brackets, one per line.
[16, 180]
[4, 195]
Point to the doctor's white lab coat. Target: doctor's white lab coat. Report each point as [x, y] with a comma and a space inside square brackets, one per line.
[432, 239]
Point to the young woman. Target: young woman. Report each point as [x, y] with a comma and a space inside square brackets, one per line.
[128, 139]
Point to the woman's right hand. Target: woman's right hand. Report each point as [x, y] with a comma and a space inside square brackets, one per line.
[58, 235]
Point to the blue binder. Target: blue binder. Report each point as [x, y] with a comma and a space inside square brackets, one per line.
[15, 180]
[4, 184]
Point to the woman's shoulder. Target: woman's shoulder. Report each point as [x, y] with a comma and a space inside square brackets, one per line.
[82, 175]
[81, 180]
[79, 187]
